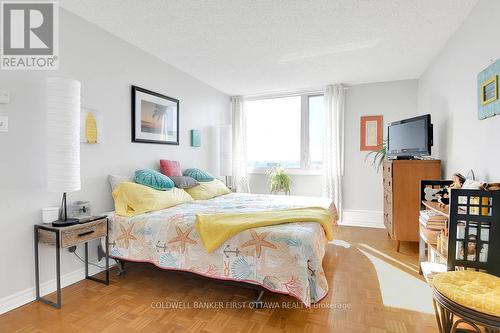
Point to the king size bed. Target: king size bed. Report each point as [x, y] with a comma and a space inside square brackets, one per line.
[284, 258]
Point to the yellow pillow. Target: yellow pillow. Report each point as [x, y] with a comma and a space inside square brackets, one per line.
[208, 190]
[133, 199]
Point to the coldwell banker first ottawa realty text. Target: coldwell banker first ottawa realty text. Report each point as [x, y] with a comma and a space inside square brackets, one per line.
[29, 35]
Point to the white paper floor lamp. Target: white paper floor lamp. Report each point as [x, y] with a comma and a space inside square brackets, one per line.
[63, 146]
[226, 150]
[214, 140]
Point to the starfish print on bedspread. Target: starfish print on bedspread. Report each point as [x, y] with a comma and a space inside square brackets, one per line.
[126, 235]
[182, 237]
[258, 240]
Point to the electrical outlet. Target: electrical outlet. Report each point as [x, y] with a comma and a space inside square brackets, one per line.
[4, 124]
[72, 249]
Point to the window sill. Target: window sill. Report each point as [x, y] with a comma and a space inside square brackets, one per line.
[299, 172]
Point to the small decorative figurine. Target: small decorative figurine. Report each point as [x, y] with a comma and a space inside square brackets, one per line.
[444, 195]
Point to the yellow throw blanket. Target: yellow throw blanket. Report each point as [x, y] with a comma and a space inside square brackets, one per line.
[215, 229]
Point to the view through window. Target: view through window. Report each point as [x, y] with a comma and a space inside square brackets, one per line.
[285, 131]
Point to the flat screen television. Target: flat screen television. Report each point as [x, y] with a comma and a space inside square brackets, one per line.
[410, 138]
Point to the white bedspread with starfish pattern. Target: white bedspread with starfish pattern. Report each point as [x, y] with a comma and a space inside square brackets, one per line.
[284, 258]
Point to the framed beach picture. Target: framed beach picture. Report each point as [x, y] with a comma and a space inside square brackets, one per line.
[371, 133]
[155, 117]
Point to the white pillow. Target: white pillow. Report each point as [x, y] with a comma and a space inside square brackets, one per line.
[115, 180]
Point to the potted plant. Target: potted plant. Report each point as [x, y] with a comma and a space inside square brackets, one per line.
[278, 180]
[378, 156]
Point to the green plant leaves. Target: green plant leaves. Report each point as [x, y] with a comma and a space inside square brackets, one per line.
[278, 180]
[377, 156]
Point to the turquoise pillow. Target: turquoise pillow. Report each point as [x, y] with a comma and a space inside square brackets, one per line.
[199, 175]
[153, 179]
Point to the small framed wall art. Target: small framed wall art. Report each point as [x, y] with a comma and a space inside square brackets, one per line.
[91, 126]
[195, 138]
[371, 133]
[155, 117]
[487, 91]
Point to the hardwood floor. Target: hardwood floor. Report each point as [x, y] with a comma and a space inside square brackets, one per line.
[372, 289]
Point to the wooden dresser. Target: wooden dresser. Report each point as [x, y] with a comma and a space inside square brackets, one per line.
[402, 195]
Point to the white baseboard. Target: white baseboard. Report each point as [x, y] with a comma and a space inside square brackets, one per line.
[28, 295]
[363, 218]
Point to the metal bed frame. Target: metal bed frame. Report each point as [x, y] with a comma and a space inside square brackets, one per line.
[256, 303]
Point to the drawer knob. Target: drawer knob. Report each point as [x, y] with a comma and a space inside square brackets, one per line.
[86, 233]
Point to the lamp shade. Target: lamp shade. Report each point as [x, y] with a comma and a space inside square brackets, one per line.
[226, 147]
[63, 135]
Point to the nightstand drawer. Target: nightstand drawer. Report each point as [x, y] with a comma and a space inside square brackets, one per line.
[76, 234]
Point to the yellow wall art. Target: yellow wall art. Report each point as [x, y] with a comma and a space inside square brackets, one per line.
[91, 126]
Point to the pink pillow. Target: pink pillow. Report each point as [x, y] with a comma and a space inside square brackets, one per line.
[170, 168]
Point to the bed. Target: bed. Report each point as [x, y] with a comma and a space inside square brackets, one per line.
[285, 258]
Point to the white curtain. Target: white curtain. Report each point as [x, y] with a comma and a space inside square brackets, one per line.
[240, 175]
[333, 154]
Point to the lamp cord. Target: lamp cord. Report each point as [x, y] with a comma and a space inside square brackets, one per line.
[90, 263]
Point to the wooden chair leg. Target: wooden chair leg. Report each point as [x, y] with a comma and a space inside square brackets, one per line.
[455, 329]
[398, 245]
[444, 317]
[438, 315]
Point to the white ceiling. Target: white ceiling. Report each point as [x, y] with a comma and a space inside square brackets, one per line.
[264, 46]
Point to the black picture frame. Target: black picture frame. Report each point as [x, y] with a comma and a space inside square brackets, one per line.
[138, 135]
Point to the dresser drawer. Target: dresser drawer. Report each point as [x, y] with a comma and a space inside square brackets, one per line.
[387, 169]
[388, 212]
[388, 223]
[387, 198]
[75, 234]
[387, 176]
[388, 184]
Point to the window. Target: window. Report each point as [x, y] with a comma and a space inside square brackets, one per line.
[285, 131]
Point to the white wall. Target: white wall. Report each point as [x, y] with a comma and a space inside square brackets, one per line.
[447, 90]
[107, 67]
[362, 185]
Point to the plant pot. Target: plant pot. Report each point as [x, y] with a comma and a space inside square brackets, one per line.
[281, 193]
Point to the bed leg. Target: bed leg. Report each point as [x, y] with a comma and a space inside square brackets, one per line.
[258, 303]
[121, 268]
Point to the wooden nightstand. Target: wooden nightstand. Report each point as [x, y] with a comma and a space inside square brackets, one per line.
[65, 237]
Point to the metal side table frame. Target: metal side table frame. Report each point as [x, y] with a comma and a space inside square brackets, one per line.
[57, 233]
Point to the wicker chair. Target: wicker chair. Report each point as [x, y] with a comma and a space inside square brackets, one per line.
[473, 293]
